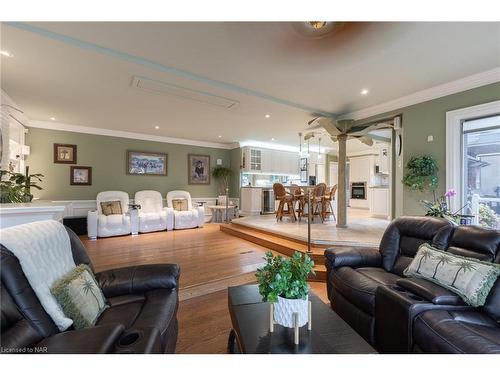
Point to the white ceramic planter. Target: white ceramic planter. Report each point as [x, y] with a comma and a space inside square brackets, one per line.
[285, 308]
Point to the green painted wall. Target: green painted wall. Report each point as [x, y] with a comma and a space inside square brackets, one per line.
[107, 157]
[422, 120]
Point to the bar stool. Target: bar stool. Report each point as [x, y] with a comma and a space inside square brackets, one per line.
[299, 199]
[316, 202]
[285, 199]
[327, 203]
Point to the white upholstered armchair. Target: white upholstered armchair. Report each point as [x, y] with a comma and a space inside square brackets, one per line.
[190, 217]
[152, 215]
[100, 225]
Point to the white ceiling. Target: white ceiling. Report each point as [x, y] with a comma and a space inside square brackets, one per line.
[269, 68]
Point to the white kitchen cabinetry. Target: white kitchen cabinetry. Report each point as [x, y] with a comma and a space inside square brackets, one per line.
[382, 159]
[251, 201]
[265, 161]
[379, 202]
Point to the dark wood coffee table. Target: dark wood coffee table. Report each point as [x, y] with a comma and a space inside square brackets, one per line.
[250, 333]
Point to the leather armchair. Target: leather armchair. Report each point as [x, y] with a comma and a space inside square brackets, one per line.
[152, 215]
[99, 225]
[194, 217]
[141, 318]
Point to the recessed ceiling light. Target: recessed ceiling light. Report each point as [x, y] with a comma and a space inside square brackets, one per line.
[364, 92]
[272, 139]
[219, 136]
[53, 118]
[267, 115]
[6, 53]
[157, 127]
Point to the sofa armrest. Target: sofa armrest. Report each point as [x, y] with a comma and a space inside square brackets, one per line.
[431, 292]
[138, 279]
[201, 215]
[169, 212]
[92, 218]
[353, 257]
[93, 340]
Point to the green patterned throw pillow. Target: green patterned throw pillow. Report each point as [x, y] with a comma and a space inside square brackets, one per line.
[80, 296]
[470, 278]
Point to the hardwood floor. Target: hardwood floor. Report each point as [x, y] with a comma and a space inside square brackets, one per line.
[204, 255]
[210, 261]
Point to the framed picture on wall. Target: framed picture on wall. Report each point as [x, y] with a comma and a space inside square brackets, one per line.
[198, 169]
[80, 175]
[146, 163]
[64, 154]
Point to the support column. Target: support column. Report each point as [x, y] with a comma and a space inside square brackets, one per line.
[342, 182]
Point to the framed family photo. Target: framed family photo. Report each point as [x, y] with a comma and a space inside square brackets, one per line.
[198, 169]
[80, 175]
[146, 163]
[64, 154]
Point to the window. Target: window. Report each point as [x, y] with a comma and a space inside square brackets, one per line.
[481, 169]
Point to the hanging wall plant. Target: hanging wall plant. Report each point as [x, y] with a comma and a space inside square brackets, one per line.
[421, 173]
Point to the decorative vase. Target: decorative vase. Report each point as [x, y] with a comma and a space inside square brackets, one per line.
[285, 310]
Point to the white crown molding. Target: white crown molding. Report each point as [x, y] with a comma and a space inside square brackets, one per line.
[50, 125]
[453, 87]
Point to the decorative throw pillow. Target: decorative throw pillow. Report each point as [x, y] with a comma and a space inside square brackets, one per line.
[180, 204]
[470, 278]
[80, 297]
[111, 208]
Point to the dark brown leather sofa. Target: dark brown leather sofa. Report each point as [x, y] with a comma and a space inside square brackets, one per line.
[141, 318]
[367, 288]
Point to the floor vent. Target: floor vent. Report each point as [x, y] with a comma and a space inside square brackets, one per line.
[247, 252]
[165, 88]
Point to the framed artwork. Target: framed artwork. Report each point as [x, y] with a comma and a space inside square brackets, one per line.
[198, 169]
[80, 175]
[146, 163]
[64, 154]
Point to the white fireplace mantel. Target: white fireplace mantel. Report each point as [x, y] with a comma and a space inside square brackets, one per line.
[20, 213]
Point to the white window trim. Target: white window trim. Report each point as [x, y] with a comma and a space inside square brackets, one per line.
[454, 120]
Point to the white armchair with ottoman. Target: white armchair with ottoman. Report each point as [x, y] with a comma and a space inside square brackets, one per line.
[152, 215]
[112, 216]
[185, 215]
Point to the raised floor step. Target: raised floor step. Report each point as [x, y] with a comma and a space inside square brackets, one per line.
[274, 242]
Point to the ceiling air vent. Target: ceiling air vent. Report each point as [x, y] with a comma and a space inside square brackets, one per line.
[165, 88]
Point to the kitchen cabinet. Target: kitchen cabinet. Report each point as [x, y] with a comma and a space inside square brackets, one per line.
[251, 201]
[379, 202]
[382, 159]
[265, 161]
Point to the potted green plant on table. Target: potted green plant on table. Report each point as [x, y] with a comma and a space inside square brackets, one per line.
[16, 187]
[283, 282]
[222, 174]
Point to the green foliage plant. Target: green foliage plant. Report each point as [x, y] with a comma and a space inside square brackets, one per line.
[16, 187]
[421, 173]
[286, 278]
[222, 174]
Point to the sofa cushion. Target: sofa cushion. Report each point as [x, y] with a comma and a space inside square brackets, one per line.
[111, 208]
[440, 331]
[471, 279]
[358, 285]
[80, 296]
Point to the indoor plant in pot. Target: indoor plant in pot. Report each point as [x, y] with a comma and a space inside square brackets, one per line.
[283, 282]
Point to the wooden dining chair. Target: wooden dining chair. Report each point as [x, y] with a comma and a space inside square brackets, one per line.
[284, 198]
[327, 207]
[316, 202]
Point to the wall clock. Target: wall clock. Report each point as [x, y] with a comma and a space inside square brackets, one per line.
[399, 142]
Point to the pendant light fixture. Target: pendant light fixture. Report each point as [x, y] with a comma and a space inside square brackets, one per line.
[319, 148]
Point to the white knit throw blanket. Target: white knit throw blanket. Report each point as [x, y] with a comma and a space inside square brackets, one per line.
[44, 252]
